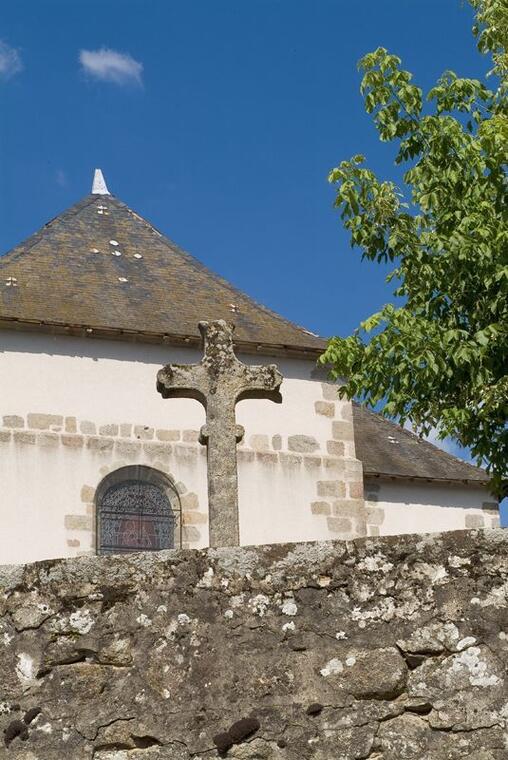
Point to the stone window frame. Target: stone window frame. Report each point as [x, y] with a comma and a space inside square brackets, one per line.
[146, 474]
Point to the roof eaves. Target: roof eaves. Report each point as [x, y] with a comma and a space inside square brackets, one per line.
[110, 333]
[480, 482]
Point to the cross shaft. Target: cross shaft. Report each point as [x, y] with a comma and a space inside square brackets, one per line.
[218, 382]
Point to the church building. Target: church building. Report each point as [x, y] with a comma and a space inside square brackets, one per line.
[94, 460]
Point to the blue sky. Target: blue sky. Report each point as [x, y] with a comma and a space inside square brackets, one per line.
[218, 121]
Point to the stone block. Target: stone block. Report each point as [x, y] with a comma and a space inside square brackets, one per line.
[245, 456]
[335, 448]
[377, 674]
[331, 463]
[326, 408]
[290, 460]
[348, 508]
[180, 487]
[277, 442]
[312, 463]
[374, 515]
[189, 501]
[267, 457]
[44, 421]
[190, 436]
[475, 521]
[349, 449]
[78, 522]
[23, 437]
[13, 421]
[157, 449]
[72, 441]
[259, 442]
[143, 432]
[339, 525]
[356, 490]
[168, 435]
[87, 427]
[331, 488]
[346, 411]
[125, 430]
[329, 391]
[354, 468]
[87, 493]
[304, 444]
[48, 439]
[374, 530]
[190, 533]
[342, 431]
[99, 444]
[320, 508]
[5, 436]
[73, 543]
[108, 430]
[495, 522]
[194, 518]
[71, 425]
[185, 453]
[127, 448]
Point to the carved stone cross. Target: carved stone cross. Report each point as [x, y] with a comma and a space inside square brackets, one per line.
[218, 382]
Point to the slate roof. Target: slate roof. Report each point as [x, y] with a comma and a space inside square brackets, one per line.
[67, 275]
[387, 449]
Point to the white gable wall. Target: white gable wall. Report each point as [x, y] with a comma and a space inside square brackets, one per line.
[73, 410]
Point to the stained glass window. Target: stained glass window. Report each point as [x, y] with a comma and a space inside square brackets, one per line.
[135, 514]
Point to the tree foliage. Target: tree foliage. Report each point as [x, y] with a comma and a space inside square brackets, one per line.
[439, 358]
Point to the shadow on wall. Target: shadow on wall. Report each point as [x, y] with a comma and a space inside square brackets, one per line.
[13, 341]
[426, 494]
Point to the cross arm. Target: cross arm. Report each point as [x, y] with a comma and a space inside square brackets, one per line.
[261, 382]
[182, 381]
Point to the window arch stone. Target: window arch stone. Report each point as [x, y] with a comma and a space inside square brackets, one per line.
[137, 509]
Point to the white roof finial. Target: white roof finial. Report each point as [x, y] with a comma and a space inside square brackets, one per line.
[99, 186]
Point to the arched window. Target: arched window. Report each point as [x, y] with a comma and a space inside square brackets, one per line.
[138, 509]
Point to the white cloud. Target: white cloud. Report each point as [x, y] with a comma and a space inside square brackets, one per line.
[111, 66]
[10, 61]
[61, 178]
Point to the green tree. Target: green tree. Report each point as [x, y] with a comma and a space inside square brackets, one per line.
[439, 357]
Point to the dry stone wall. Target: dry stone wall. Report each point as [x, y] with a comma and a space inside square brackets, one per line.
[380, 649]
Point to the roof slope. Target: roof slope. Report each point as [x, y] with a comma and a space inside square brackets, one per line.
[389, 449]
[68, 274]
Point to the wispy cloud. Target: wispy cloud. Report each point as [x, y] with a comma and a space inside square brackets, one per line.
[61, 178]
[111, 66]
[10, 61]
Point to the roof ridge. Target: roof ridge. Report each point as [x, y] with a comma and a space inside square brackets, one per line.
[199, 266]
[14, 254]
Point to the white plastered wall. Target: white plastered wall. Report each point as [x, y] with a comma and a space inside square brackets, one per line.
[397, 506]
[296, 463]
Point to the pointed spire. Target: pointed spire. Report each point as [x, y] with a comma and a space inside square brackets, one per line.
[99, 186]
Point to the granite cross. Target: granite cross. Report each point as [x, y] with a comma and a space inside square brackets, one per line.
[218, 382]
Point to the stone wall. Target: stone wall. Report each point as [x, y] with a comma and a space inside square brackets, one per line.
[382, 648]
